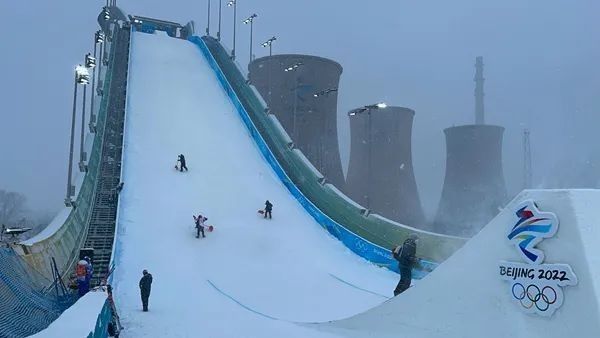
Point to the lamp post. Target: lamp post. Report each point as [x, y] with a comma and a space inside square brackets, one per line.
[368, 109]
[208, 20]
[250, 20]
[98, 38]
[233, 3]
[81, 77]
[219, 25]
[269, 44]
[292, 68]
[325, 92]
[90, 62]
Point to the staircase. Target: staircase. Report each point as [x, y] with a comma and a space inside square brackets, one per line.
[101, 229]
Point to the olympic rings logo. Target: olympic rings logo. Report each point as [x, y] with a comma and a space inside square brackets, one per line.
[532, 295]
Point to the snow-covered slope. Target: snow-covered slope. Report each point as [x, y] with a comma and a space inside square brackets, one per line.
[466, 296]
[251, 277]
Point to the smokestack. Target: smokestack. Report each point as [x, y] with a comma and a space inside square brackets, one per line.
[474, 186]
[301, 90]
[380, 171]
[479, 80]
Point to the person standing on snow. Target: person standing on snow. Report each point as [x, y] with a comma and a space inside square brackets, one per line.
[181, 160]
[89, 269]
[268, 209]
[145, 285]
[200, 225]
[405, 255]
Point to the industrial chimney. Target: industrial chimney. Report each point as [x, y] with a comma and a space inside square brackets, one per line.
[301, 90]
[380, 172]
[474, 186]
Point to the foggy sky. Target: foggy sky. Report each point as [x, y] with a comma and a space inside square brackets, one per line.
[540, 67]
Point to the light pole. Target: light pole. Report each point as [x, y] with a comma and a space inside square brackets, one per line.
[325, 92]
[250, 20]
[81, 77]
[233, 3]
[219, 26]
[269, 44]
[368, 110]
[208, 20]
[90, 62]
[98, 38]
[292, 68]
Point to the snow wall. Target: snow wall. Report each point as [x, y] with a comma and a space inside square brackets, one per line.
[368, 235]
[471, 295]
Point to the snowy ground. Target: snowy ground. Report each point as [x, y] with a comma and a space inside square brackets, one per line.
[250, 277]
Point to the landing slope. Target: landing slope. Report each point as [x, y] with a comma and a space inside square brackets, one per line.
[251, 277]
[466, 296]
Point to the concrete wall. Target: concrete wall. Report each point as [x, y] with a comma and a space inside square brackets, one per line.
[310, 121]
[380, 172]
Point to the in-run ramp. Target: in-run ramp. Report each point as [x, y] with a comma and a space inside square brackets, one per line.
[251, 277]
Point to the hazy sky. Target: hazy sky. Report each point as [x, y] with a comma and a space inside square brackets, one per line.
[540, 66]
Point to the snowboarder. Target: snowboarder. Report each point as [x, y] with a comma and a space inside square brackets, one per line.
[181, 160]
[405, 255]
[200, 225]
[268, 209]
[145, 285]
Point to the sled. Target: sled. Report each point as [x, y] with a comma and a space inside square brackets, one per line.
[261, 211]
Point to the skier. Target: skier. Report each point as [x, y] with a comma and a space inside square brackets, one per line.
[145, 285]
[200, 225]
[181, 160]
[268, 209]
[405, 255]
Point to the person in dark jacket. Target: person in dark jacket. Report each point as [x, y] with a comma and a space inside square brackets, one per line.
[145, 285]
[268, 209]
[200, 225]
[406, 257]
[181, 160]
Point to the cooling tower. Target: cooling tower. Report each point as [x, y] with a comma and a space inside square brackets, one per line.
[380, 172]
[310, 121]
[474, 186]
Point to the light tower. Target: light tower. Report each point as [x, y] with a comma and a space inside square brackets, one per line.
[474, 187]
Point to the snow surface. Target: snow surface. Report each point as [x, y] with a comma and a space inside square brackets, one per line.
[251, 277]
[465, 296]
[78, 320]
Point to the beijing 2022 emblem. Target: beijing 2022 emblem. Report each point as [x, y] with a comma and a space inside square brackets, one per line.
[535, 287]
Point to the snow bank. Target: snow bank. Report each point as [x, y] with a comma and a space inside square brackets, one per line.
[79, 320]
[466, 296]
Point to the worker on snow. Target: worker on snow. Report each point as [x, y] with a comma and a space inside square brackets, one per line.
[268, 209]
[200, 225]
[145, 285]
[181, 160]
[89, 269]
[83, 284]
[405, 255]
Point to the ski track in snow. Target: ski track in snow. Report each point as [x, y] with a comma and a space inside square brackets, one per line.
[288, 268]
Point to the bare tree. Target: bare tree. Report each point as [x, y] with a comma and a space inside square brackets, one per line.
[12, 206]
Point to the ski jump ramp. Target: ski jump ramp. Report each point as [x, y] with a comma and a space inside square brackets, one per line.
[253, 277]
